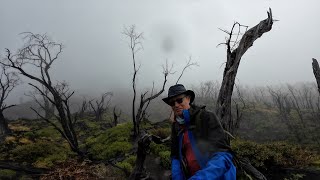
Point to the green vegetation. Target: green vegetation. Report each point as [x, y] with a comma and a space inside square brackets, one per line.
[7, 174]
[274, 154]
[165, 159]
[42, 154]
[113, 142]
[161, 150]
[42, 146]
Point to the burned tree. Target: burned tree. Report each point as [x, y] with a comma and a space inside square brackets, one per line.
[116, 116]
[8, 81]
[235, 50]
[38, 54]
[82, 109]
[316, 72]
[100, 106]
[284, 107]
[135, 45]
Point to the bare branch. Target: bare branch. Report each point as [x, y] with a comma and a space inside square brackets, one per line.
[188, 65]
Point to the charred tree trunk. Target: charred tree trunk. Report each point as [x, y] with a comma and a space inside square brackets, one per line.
[145, 139]
[116, 116]
[67, 126]
[233, 60]
[316, 72]
[4, 129]
[139, 170]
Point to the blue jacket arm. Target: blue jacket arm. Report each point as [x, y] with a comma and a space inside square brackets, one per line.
[176, 170]
[220, 166]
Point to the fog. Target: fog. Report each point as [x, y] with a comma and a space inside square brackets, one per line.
[96, 57]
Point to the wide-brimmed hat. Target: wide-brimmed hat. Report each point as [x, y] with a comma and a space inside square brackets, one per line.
[177, 90]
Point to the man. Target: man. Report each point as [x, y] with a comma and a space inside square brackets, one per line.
[199, 149]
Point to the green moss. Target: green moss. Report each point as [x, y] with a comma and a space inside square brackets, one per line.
[50, 160]
[157, 148]
[30, 135]
[92, 124]
[127, 166]
[7, 174]
[41, 154]
[48, 132]
[107, 152]
[113, 142]
[131, 160]
[165, 159]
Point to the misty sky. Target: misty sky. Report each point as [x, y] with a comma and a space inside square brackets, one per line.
[96, 55]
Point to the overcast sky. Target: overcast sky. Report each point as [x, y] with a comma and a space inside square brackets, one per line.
[96, 55]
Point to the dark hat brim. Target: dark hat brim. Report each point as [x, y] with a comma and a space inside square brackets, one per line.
[188, 92]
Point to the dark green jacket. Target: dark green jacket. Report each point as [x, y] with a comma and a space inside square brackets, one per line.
[207, 130]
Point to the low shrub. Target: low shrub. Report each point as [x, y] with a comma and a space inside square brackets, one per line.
[131, 160]
[48, 132]
[41, 154]
[113, 142]
[157, 148]
[274, 154]
[125, 165]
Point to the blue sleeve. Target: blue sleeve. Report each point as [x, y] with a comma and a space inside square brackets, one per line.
[220, 166]
[176, 171]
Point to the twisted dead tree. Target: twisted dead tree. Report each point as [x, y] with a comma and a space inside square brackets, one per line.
[82, 109]
[135, 45]
[316, 72]
[145, 101]
[284, 107]
[101, 106]
[8, 81]
[34, 61]
[235, 50]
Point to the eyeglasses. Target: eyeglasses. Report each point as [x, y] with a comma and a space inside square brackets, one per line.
[178, 100]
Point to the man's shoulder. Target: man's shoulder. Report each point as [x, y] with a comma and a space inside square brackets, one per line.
[206, 114]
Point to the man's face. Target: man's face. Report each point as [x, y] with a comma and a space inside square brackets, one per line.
[179, 103]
